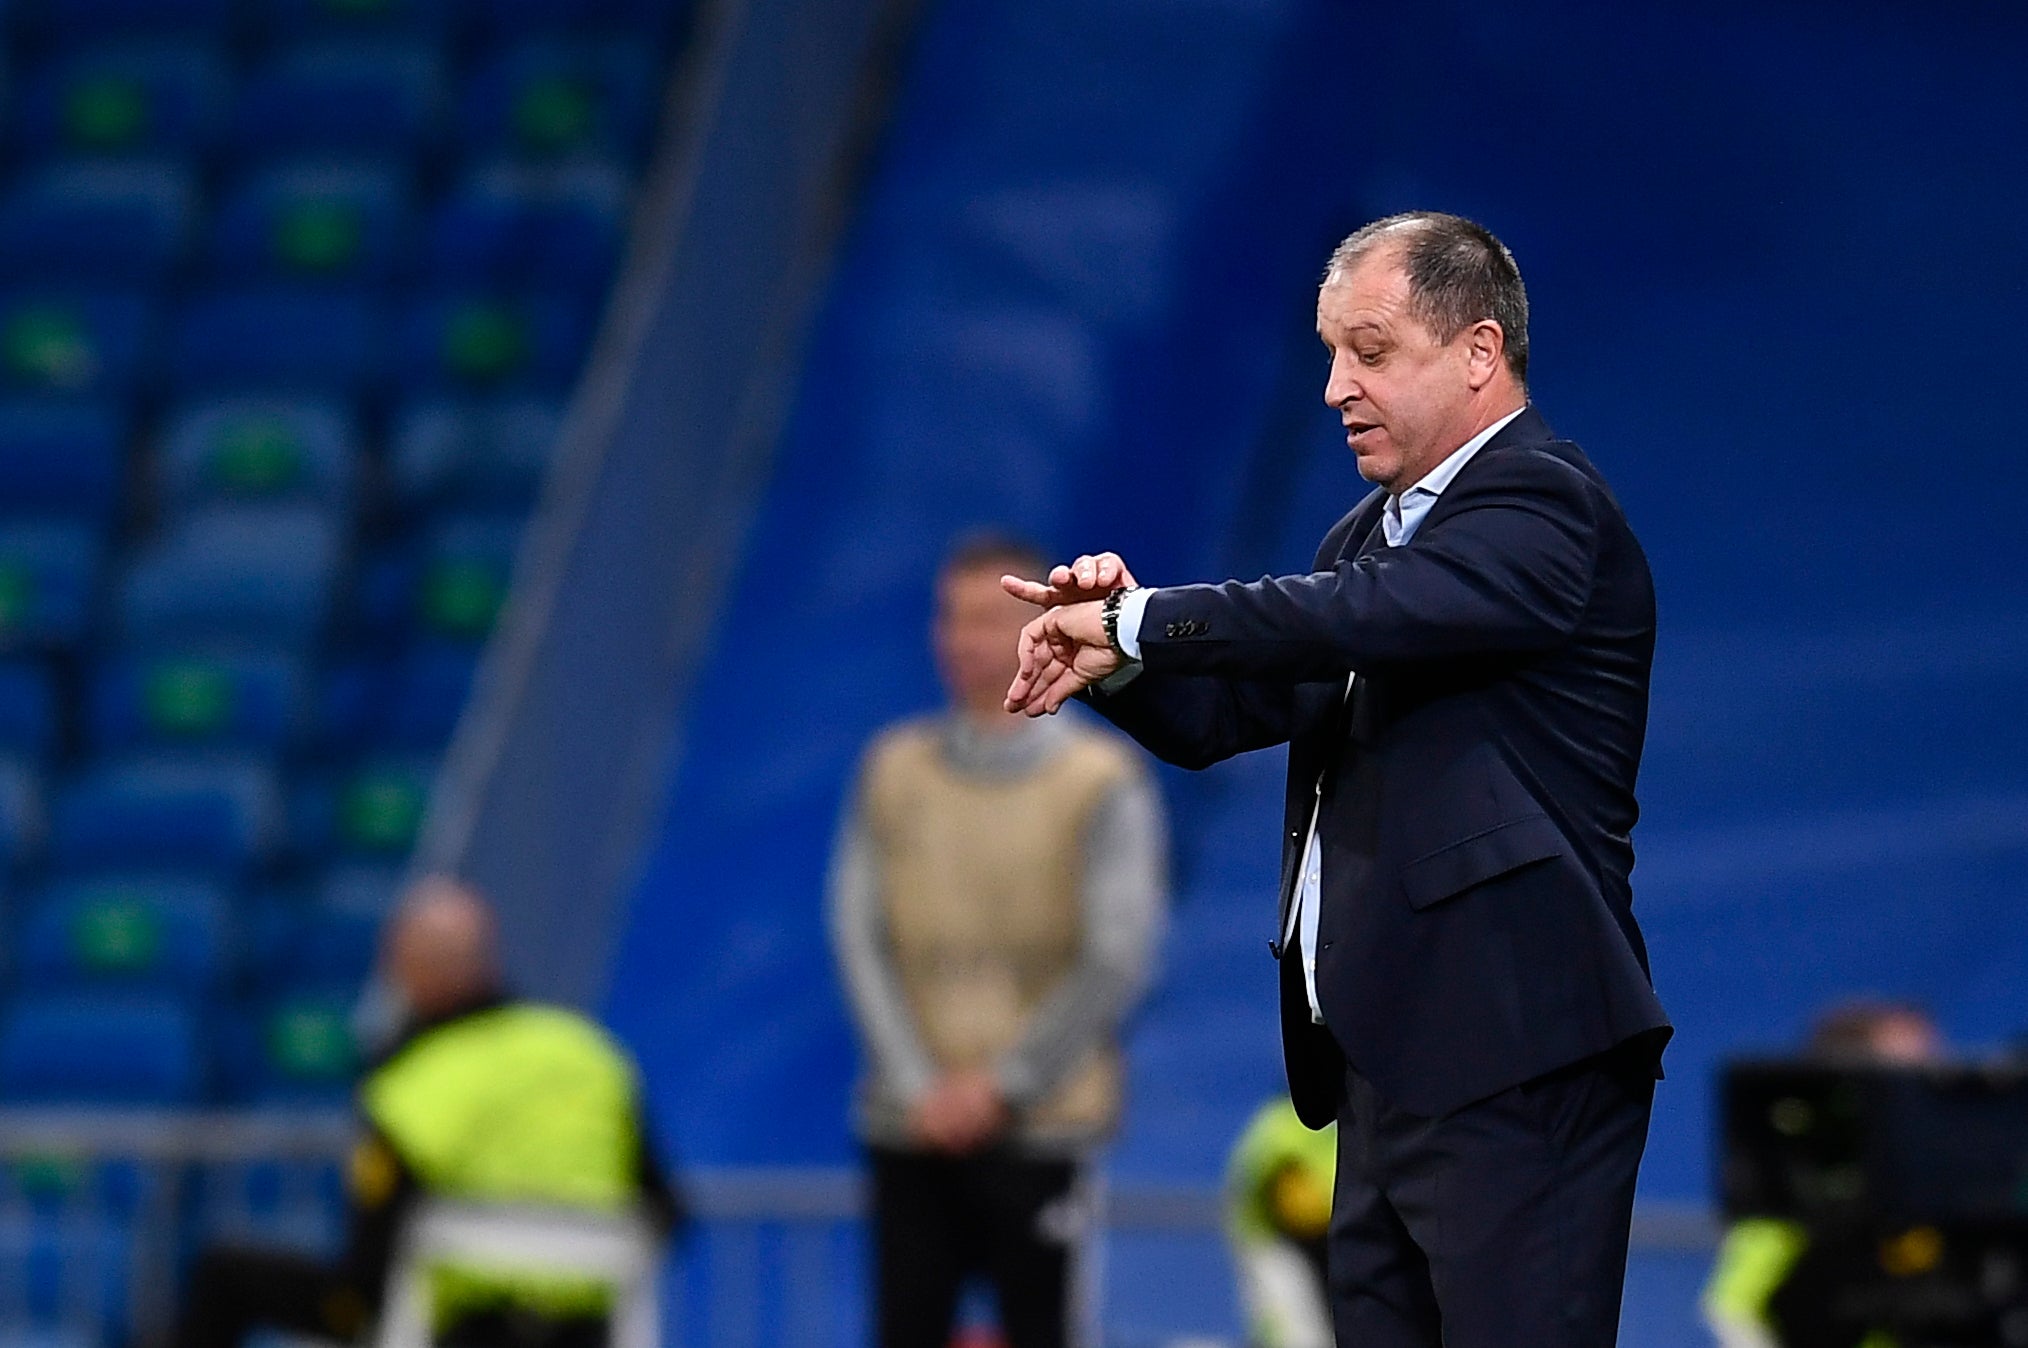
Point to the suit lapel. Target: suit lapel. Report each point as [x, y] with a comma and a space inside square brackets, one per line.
[1364, 537]
[1526, 429]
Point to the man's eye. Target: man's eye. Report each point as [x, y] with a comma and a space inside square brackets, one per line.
[1369, 357]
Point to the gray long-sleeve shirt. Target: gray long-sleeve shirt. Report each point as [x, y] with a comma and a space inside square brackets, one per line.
[1121, 893]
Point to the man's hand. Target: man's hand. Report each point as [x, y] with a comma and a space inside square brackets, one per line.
[1065, 650]
[1092, 576]
[961, 1113]
[1062, 653]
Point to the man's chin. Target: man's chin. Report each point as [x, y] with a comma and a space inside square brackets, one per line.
[1379, 469]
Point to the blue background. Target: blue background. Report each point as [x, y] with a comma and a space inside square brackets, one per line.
[1777, 264]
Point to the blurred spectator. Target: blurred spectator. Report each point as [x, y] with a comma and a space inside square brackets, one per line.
[483, 1099]
[1278, 1209]
[1764, 1291]
[988, 1004]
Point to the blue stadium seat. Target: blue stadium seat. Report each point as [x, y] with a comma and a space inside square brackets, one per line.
[369, 812]
[124, 101]
[245, 700]
[473, 455]
[120, 224]
[70, 20]
[27, 709]
[646, 20]
[72, 341]
[24, 820]
[62, 459]
[102, 1049]
[66, 1272]
[260, 450]
[467, 564]
[290, 20]
[556, 100]
[138, 932]
[284, 339]
[339, 99]
[475, 342]
[259, 574]
[326, 941]
[48, 577]
[506, 224]
[292, 1048]
[413, 702]
[312, 223]
[215, 817]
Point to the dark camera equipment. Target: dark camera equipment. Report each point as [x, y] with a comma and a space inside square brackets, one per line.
[1911, 1184]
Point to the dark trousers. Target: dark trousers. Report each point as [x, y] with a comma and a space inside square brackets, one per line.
[234, 1289]
[1502, 1224]
[1022, 1221]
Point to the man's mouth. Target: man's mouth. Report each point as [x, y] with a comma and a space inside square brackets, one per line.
[1355, 429]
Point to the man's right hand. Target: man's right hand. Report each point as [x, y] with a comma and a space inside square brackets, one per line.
[1092, 576]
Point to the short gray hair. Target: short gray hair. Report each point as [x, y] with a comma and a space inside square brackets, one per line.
[1458, 274]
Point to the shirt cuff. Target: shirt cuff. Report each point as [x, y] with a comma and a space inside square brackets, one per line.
[1132, 605]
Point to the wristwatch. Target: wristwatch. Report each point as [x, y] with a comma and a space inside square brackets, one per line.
[1109, 616]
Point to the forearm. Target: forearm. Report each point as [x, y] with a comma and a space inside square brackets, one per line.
[858, 933]
[1122, 898]
[1194, 721]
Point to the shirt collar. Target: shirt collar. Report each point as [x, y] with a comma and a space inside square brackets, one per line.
[1439, 477]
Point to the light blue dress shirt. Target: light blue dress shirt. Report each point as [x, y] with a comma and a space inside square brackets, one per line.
[1400, 516]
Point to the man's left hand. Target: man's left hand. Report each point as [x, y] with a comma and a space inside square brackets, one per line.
[1062, 653]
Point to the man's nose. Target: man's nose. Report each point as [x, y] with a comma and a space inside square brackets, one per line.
[1339, 388]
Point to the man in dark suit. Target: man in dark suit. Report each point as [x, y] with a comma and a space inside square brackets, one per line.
[1462, 682]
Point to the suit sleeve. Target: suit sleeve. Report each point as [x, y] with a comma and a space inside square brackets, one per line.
[1193, 721]
[1508, 570]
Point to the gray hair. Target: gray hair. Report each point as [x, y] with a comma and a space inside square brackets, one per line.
[1458, 274]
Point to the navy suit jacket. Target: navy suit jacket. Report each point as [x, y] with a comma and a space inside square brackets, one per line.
[1478, 803]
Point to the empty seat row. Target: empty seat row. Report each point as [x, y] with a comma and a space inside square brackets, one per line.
[72, 19]
[130, 225]
[248, 700]
[67, 461]
[542, 100]
[222, 817]
[59, 342]
[174, 933]
[266, 574]
[164, 1049]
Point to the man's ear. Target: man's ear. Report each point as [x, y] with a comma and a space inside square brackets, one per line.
[1485, 352]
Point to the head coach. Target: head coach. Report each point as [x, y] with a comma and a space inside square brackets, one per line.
[1462, 681]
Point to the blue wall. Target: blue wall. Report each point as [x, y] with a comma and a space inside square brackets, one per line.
[1775, 251]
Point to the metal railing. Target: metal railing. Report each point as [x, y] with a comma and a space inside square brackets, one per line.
[98, 1211]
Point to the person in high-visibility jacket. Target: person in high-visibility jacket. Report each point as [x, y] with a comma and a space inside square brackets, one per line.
[479, 1098]
[1278, 1208]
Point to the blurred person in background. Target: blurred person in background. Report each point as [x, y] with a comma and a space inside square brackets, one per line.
[480, 1098]
[1770, 1286]
[1278, 1209]
[994, 898]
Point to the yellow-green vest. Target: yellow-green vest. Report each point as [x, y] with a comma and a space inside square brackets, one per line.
[1280, 1176]
[520, 1104]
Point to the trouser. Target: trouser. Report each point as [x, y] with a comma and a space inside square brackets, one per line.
[1501, 1224]
[236, 1289]
[1024, 1222]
